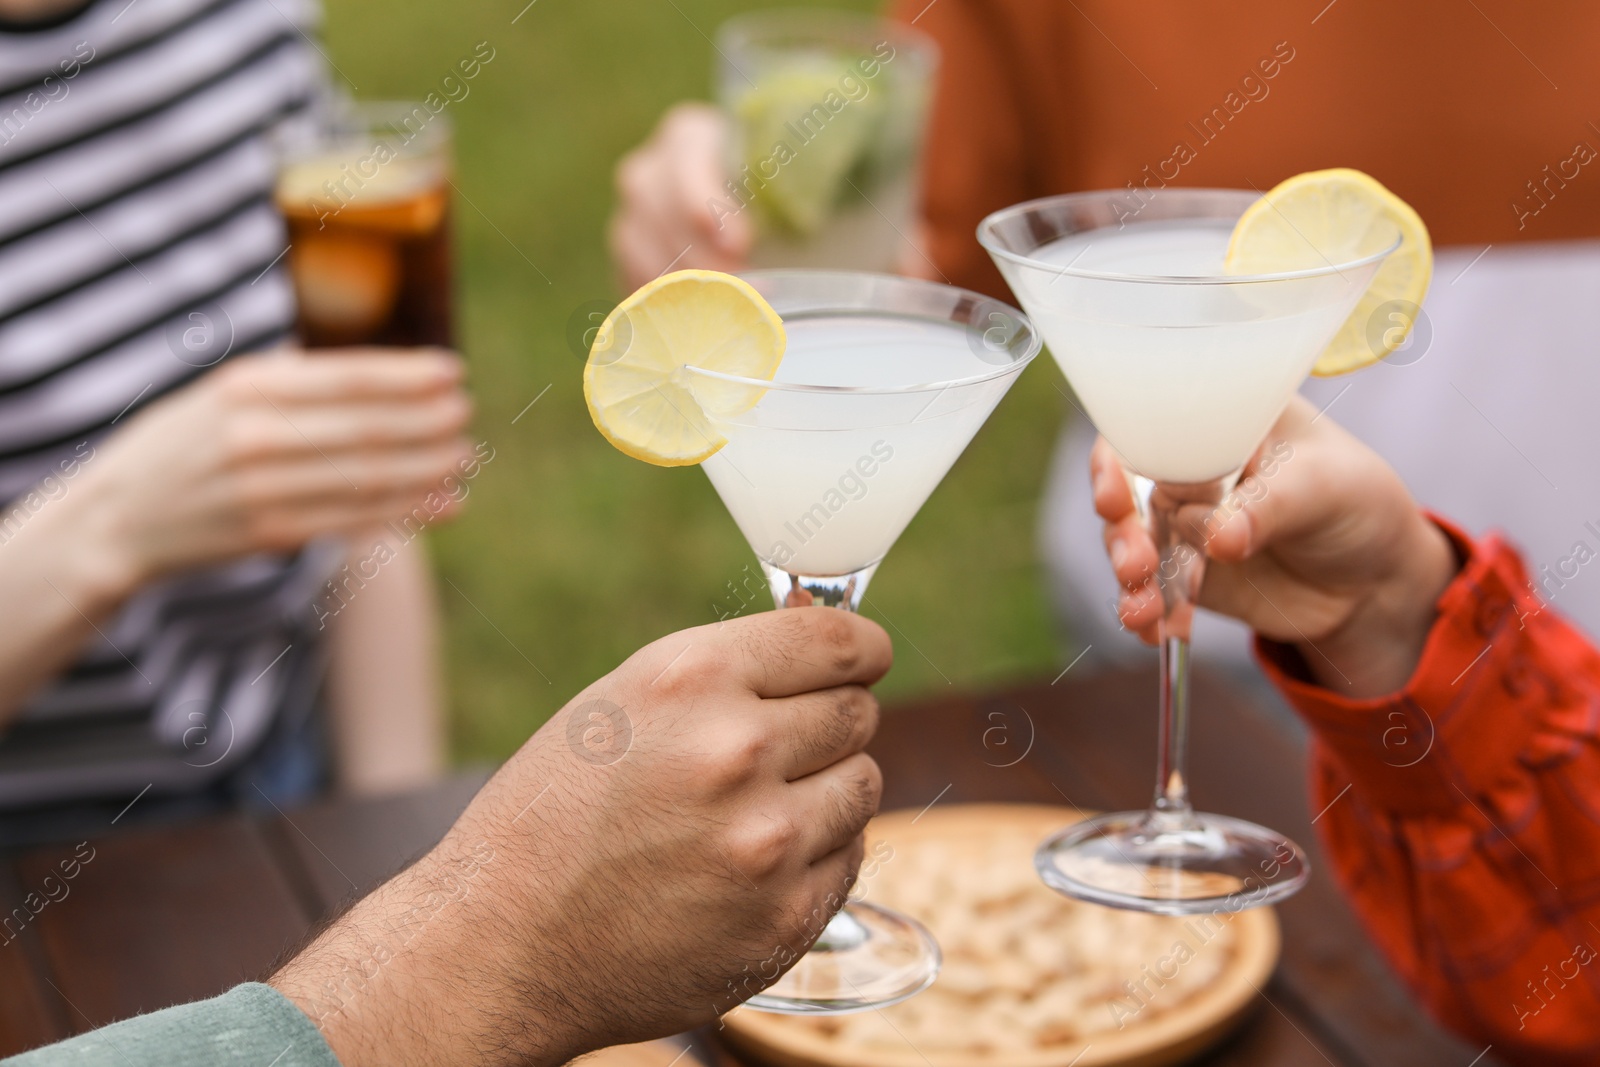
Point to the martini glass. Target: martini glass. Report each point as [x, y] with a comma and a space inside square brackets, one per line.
[1183, 370]
[883, 383]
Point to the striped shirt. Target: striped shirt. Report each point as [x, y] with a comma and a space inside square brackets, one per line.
[139, 246]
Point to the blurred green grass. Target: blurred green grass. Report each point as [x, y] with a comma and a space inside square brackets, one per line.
[571, 556]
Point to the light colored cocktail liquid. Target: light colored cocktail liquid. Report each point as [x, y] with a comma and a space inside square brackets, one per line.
[1184, 380]
[822, 482]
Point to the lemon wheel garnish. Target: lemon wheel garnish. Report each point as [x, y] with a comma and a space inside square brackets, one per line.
[641, 397]
[1335, 216]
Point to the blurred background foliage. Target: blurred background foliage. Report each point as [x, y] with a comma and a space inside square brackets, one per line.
[570, 555]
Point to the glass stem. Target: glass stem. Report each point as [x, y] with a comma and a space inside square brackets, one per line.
[1176, 515]
[1172, 784]
[802, 590]
[844, 931]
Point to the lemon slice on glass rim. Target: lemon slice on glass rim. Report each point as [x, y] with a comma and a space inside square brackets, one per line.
[641, 395]
[1325, 217]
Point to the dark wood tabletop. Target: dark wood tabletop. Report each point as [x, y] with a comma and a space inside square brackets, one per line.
[160, 916]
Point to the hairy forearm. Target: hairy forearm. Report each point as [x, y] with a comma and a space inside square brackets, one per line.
[416, 972]
[60, 578]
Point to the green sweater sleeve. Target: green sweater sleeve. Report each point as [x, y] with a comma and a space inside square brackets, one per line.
[251, 1025]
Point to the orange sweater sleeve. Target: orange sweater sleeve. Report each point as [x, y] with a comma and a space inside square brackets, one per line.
[976, 159]
[1462, 814]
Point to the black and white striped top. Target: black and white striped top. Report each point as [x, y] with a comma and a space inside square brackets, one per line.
[139, 246]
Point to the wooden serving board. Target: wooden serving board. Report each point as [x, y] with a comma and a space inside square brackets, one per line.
[1031, 979]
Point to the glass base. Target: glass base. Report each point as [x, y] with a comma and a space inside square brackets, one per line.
[867, 957]
[1172, 865]
[804, 590]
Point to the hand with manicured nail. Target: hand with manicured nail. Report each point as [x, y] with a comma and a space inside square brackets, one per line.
[1320, 546]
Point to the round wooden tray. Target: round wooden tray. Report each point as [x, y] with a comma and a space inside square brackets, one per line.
[983, 831]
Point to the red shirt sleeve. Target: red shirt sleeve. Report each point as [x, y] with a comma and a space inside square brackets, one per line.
[1461, 815]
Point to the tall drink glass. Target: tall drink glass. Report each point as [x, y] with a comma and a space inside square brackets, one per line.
[827, 112]
[366, 195]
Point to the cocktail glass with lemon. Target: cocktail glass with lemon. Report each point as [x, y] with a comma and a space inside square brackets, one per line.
[825, 407]
[1184, 326]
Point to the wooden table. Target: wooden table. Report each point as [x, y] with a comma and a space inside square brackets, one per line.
[182, 912]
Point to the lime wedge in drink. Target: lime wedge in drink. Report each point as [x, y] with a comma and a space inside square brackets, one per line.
[803, 137]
